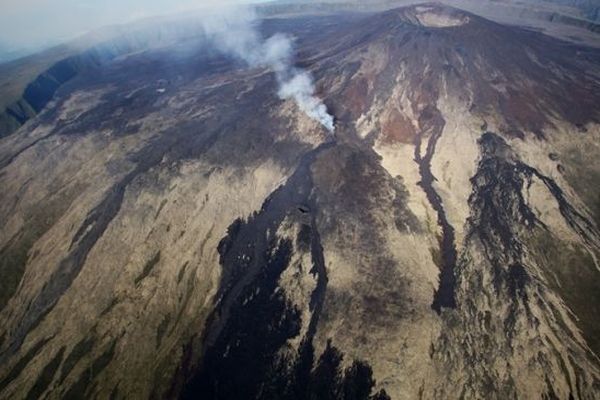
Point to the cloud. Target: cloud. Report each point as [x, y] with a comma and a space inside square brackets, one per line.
[25, 23]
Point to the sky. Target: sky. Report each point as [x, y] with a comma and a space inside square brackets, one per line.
[38, 23]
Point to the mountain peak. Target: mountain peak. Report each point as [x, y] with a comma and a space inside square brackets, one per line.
[436, 15]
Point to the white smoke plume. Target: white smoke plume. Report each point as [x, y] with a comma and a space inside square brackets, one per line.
[234, 31]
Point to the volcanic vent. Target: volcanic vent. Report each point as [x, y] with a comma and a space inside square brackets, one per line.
[439, 17]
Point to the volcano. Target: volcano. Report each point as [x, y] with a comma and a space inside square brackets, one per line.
[171, 228]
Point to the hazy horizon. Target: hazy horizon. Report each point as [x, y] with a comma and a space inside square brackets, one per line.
[35, 24]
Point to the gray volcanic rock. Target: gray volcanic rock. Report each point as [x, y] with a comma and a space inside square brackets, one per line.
[590, 8]
[172, 229]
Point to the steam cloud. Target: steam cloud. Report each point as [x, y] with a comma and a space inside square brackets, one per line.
[233, 30]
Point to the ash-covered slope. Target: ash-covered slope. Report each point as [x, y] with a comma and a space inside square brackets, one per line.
[170, 228]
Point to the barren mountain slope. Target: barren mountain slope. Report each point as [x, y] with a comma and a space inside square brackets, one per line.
[170, 228]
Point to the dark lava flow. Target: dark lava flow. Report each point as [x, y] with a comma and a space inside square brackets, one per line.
[433, 123]
[253, 320]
